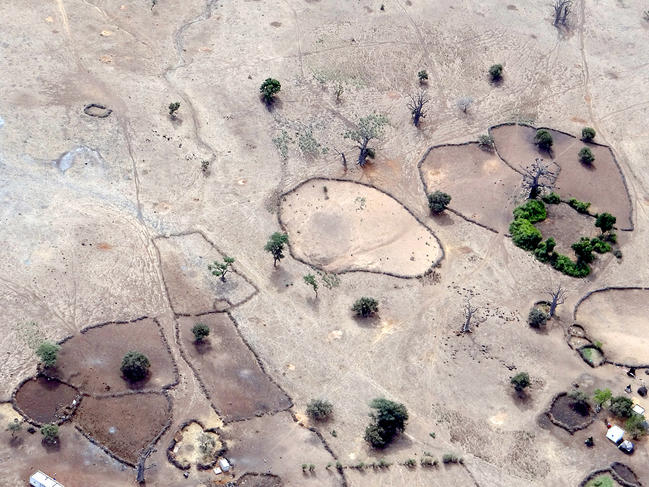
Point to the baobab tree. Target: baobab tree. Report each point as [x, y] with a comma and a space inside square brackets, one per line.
[417, 106]
[369, 128]
[558, 296]
[537, 177]
[561, 10]
[469, 313]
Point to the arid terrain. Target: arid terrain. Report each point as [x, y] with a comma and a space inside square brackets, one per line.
[113, 208]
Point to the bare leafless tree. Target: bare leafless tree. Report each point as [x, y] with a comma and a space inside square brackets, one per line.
[417, 106]
[464, 103]
[469, 313]
[537, 177]
[562, 9]
[558, 295]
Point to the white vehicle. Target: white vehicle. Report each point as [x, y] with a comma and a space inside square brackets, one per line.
[39, 479]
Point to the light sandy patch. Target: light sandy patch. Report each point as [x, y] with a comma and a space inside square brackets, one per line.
[188, 448]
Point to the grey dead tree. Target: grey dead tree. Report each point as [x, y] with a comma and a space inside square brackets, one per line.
[464, 103]
[469, 313]
[537, 177]
[558, 296]
[417, 106]
[561, 10]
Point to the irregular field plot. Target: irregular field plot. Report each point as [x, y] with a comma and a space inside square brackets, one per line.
[567, 226]
[45, 400]
[235, 383]
[482, 187]
[126, 424]
[600, 183]
[618, 319]
[91, 360]
[192, 287]
[355, 227]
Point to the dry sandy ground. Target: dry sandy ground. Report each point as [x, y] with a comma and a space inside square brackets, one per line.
[84, 199]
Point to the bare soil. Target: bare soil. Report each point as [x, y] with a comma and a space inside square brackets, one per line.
[124, 424]
[563, 411]
[235, 383]
[46, 400]
[482, 187]
[91, 361]
[192, 287]
[618, 319]
[355, 227]
[259, 480]
[567, 226]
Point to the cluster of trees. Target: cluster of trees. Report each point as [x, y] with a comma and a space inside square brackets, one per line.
[622, 407]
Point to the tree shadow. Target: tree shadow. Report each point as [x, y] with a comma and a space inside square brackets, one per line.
[51, 448]
[368, 321]
[443, 219]
[280, 278]
[203, 346]
[139, 384]
[522, 400]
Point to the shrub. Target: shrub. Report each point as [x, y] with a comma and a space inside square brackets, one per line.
[14, 427]
[584, 250]
[552, 198]
[609, 237]
[586, 156]
[388, 420]
[605, 222]
[636, 426]
[496, 72]
[524, 234]
[600, 246]
[309, 280]
[618, 253]
[451, 458]
[587, 134]
[438, 201]
[410, 463]
[173, 108]
[533, 211]
[545, 250]
[269, 88]
[200, 331]
[50, 433]
[423, 76]
[543, 139]
[486, 142]
[135, 366]
[365, 306]
[48, 353]
[319, 409]
[580, 206]
[428, 461]
[537, 318]
[621, 406]
[564, 264]
[520, 381]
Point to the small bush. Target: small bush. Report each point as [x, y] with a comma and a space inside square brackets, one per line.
[533, 211]
[537, 318]
[50, 433]
[621, 406]
[451, 458]
[552, 198]
[486, 142]
[496, 72]
[48, 353]
[521, 381]
[428, 461]
[586, 156]
[609, 237]
[410, 463]
[319, 409]
[365, 306]
[564, 264]
[423, 76]
[135, 366]
[200, 331]
[438, 201]
[618, 253]
[173, 108]
[584, 250]
[587, 134]
[545, 250]
[524, 234]
[600, 246]
[269, 88]
[543, 139]
[580, 206]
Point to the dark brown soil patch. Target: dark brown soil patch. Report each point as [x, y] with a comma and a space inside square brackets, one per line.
[237, 386]
[259, 480]
[625, 473]
[46, 400]
[124, 425]
[482, 187]
[91, 360]
[567, 226]
[564, 415]
[191, 286]
[601, 183]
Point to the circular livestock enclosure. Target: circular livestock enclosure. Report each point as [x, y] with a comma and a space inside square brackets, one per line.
[563, 414]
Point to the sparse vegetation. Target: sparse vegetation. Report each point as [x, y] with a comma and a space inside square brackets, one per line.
[464, 103]
[388, 420]
[368, 128]
[520, 381]
[365, 307]
[135, 366]
[587, 134]
[50, 433]
[319, 409]
[48, 353]
[586, 156]
[206, 445]
[201, 331]
[438, 201]
[537, 318]
[496, 72]
[14, 427]
[309, 280]
[275, 246]
[543, 139]
[220, 269]
[269, 88]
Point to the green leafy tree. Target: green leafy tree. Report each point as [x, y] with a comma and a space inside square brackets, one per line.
[387, 420]
[520, 381]
[309, 280]
[524, 234]
[587, 134]
[220, 269]
[275, 246]
[50, 433]
[423, 76]
[369, 128]
[135, 366]
[269, 88]
[319, 409]
[365, 306]
[586, 155]
[605, 222]
[537, 318]
[14, 427]
[48, 353]
[621, 406]
[543, 139]
[173, 108]
[636, 426]
[201, 331]
[496, 72]
[602, 396]
[438, 201]
[533, 211]
[583, 250]
[580, 206]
